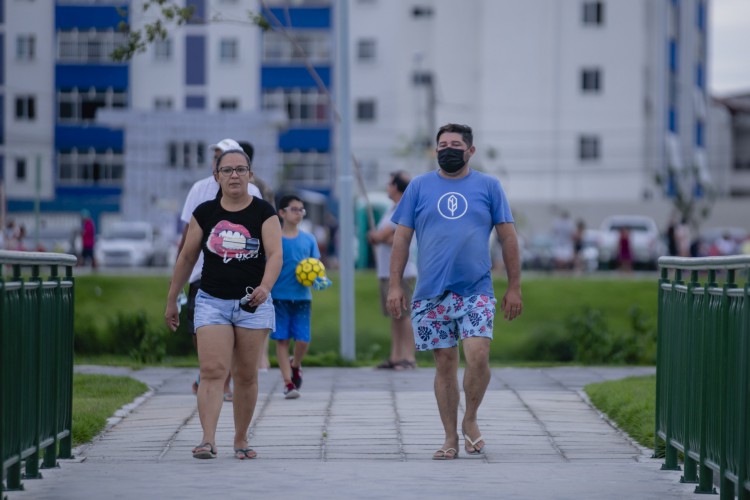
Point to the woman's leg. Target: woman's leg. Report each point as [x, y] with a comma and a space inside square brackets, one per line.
[248, 344]
[215, 344]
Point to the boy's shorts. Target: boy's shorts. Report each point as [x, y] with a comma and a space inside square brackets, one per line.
[406, 283]
[292, 320]
[440, 321]
[210, 310]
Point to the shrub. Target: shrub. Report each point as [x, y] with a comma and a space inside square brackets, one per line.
[587, 338]
[87, 338]
[547, 344]
[132, 334]
[590, 335]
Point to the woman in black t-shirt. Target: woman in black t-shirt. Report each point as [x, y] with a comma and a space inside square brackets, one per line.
[240, 237]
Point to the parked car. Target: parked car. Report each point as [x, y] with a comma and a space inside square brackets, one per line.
[538, 252]
[646, 242]
[129, 244]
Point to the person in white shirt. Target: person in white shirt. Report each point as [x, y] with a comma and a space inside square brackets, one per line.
[204, 190]
[402, 335]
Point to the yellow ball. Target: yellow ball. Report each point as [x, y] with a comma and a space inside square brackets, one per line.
[309, 269]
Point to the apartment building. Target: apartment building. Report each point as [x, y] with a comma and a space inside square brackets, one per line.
[571, 100]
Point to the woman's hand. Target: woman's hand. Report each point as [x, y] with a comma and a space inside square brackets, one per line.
[172, 315]
[259, 296]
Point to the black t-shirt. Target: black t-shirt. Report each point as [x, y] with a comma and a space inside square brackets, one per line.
[233, 253]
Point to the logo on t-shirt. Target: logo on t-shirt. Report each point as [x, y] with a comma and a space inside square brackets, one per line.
[452, 205]
[232, 241]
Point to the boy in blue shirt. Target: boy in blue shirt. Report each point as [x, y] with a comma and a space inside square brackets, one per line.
[291, 300]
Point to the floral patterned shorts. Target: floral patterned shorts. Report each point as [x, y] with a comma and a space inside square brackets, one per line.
[440, 321]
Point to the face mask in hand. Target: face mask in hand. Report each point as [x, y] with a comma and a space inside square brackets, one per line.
[451, 160]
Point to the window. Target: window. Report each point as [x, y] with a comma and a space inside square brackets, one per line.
[162, 103]
[77, 105]
[422, 78]
[228, 49]
[88, 46]
[591, 80]
[21, 169]
[228, 104]
[366, 110]
[195, 102]
[699, 130]
[186, 154]
[25, 108]
[421, 12]
[90, 167]
[308, 168]
[366, 50]
[163, 50]
[315, 44]
[25, 47]
[300, 105]
[593, 13]
[588, 147]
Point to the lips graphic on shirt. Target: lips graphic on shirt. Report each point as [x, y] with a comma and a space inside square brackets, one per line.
[232, 241]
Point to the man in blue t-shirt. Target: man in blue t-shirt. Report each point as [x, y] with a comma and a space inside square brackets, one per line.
[452, 211]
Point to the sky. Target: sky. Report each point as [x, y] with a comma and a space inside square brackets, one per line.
[729, 47]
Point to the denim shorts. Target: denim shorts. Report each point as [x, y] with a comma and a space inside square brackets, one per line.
[292, 320]
[440, 321]
[210, 310]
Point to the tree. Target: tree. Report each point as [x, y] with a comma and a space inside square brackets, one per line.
[168, 12]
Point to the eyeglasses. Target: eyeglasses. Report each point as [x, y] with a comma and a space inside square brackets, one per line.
[296, 210]
[227, 171]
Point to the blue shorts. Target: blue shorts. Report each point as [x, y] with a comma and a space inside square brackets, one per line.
[439, 322]
[292, 320]
[210, 310]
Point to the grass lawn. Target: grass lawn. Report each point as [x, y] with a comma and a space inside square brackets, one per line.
[630, 404]
[548, 301]
[96, 398]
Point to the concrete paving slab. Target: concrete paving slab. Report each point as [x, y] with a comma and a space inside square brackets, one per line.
[363, 433]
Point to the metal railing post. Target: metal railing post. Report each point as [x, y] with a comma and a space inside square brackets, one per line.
[29, 323]
[703, 378]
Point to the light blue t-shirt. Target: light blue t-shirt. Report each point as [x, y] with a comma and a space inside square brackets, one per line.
[452, 220]
[295, 249]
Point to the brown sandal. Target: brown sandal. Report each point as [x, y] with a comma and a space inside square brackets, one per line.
[205, 450]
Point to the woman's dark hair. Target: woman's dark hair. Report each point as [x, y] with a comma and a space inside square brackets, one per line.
[228, 151]
[399, 180]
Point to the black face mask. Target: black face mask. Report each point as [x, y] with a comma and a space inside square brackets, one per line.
[451, 160]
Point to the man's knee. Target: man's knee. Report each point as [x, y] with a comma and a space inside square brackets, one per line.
[446, 360]
[477, 352]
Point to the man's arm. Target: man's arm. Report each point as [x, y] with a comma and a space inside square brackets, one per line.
[399, 256]
[385, 235]
[512, 304]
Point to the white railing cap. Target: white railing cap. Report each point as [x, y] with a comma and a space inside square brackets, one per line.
[14, 257]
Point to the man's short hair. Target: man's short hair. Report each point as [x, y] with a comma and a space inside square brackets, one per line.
[248, 149]
[400, 180]
[466, 134]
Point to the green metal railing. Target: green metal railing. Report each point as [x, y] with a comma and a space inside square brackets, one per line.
[36, 375]
[702, 375]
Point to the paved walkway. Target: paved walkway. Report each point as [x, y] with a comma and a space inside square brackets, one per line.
[361, 433]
